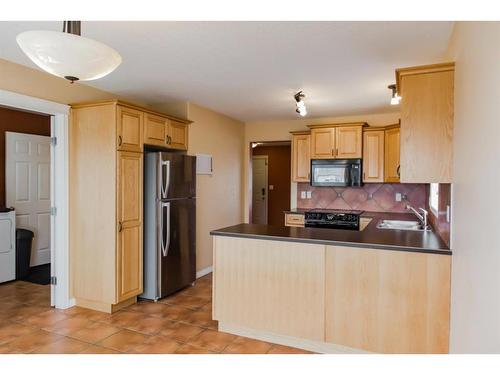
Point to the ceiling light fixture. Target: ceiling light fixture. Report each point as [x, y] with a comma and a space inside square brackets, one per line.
[395, 98]
[68, 55]
[301, 106]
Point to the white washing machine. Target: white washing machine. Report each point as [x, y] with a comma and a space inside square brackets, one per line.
[7, 245]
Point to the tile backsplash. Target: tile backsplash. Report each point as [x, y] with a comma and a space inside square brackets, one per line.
[369, 197]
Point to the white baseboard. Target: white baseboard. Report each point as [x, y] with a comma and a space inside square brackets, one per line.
[275, 338]
[203, 272]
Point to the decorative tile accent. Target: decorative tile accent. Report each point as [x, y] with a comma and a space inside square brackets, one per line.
[369, 197]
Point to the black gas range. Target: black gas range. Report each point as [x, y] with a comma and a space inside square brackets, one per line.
[333, 219]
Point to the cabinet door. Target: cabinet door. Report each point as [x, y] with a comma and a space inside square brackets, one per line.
[155, 130]
[427, 127]
[322, 143]
[373, 156]
[129, 226]
[129, 129]
[391, 167]
[387, 301]
[178, 135]
[301, 157]
[348, 142]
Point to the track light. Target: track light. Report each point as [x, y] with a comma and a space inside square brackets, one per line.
[301, 106]
[395, 98]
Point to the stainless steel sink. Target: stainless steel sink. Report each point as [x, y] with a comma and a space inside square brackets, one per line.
[401, 225]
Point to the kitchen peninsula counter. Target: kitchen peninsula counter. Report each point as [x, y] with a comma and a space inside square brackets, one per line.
[334, 291]
[369, 237]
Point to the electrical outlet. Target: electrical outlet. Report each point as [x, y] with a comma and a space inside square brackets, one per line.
[398, 197]
[309, 195]
[303, 195]
[271, 187]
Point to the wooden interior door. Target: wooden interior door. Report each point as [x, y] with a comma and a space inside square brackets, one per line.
[373, 156]
[178, 133]
[349, 142]
[155, 130]
[391, 155]
[129, 258]
[129, 129]
[322, 143]
[301, 157]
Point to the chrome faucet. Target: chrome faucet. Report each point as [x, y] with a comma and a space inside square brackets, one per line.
[421, 216]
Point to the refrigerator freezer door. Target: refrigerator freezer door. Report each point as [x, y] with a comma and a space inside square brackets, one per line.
[177, 176]
[178, 250]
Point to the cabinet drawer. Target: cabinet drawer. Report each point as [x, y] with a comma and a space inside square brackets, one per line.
[294, 220]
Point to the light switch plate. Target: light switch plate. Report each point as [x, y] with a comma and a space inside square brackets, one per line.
[309, 195]
[398, 197]
[303, 195]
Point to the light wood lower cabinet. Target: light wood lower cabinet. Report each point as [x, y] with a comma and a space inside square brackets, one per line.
[270, 286]
[129, 230]
[387, 301]
[332, 298]
[294, 220]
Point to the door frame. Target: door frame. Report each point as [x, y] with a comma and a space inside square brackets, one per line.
[59, 241]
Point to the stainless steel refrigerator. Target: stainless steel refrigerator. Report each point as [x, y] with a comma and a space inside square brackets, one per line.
[169, 223]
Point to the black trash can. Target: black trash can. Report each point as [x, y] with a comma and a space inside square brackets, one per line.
[24, 238]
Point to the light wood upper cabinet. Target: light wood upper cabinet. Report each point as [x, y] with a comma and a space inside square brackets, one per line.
[426, 123]
[387, 301]
[129, 226]
[129, 129]
[301, 156]
[392, 163]
[155, 130]
[323, 143]
[373, 155]
[337, 141]
[177, 135]
[348, 142]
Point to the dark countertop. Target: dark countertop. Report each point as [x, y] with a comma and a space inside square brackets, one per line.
[370, 237]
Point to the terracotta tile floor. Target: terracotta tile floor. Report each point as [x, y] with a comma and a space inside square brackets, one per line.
[180, 324]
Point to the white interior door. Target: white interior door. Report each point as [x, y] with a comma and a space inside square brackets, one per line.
[7, 246]
[259, 189]
[27, 180]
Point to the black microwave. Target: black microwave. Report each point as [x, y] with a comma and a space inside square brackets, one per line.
[336, 172]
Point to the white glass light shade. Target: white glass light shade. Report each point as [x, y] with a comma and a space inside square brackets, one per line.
[395, 100]
[68, 55]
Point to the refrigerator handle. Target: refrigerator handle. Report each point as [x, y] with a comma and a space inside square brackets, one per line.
[165, 237]
[165, 178]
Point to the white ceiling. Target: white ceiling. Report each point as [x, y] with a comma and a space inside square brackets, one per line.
[250, 70]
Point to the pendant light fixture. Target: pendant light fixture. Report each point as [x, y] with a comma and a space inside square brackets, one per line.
[68, 55]
[299, 101]
[395, 98]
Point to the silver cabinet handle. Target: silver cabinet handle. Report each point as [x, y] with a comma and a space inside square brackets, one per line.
[120, 140]
[120, 226]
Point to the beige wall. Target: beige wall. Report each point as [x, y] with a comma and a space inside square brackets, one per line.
[27, 81]
[218, 196]
[260, 131]
[475, 309]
